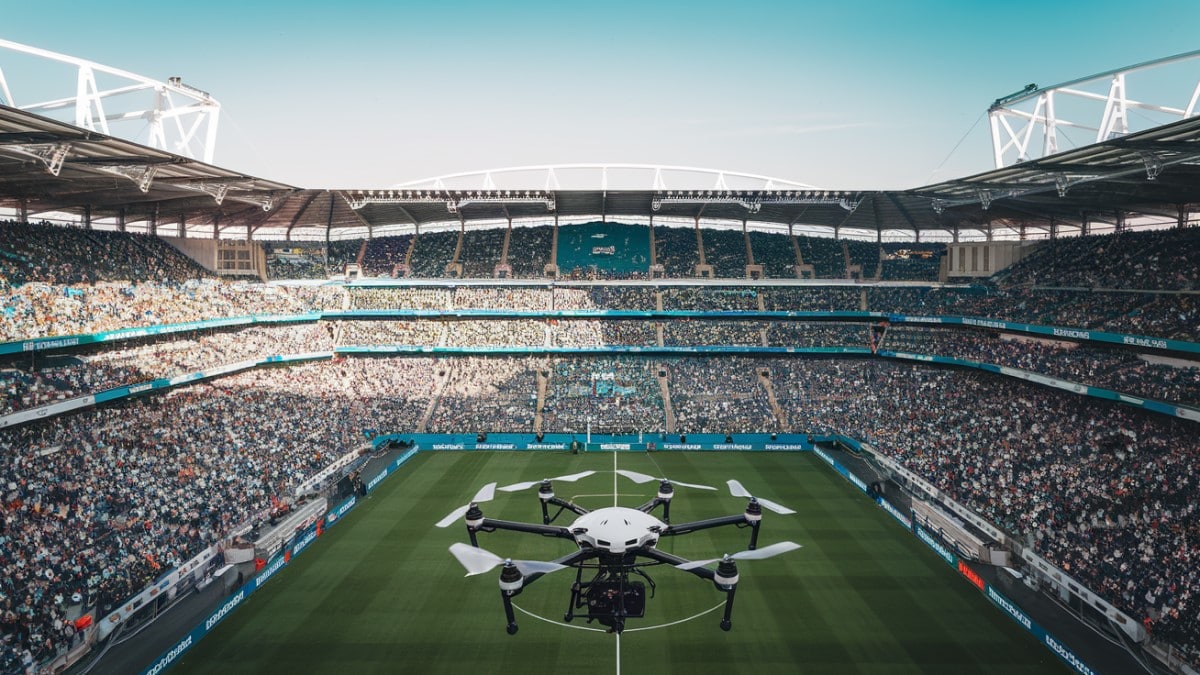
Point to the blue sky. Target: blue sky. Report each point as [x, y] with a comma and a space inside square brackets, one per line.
[848, 94]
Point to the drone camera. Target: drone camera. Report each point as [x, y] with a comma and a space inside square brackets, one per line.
[607, 599]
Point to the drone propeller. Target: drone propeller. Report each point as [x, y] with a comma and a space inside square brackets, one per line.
[516, 487]
[643, 478]
[478, 561]
[485, 494]
[736, 489]
[757, 554]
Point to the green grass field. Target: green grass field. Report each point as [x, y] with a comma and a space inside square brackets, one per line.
[379, 593]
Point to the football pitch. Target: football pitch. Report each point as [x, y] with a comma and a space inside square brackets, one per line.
[380, 593]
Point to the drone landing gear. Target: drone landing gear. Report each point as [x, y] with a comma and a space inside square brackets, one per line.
[726, 622]
[726, 579]
[511, 582]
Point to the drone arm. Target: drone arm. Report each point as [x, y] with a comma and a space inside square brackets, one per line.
[724, 577]
[664, 557]
[488, 525]
[573, 508]
[685, 528]
[569, 560]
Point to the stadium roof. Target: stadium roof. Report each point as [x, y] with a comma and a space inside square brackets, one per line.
[54, 166]
[49, 166]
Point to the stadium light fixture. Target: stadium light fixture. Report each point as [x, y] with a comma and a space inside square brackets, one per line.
[142, 175]
[453, 200]
[52, 155]
[753, 201]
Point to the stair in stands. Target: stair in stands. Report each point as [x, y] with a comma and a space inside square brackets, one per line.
[664, 389]
[362, 252]
[442, 378]
[764, 378]
[542, 375]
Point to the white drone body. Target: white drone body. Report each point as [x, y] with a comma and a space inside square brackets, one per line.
[616, 529]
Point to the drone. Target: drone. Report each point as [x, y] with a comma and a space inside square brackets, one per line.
[615, 546]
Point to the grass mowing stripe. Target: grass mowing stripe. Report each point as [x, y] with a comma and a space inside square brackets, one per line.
[380, 593]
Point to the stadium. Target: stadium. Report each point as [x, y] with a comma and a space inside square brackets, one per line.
[235, 410]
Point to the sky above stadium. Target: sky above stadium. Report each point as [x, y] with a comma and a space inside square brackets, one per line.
[850, 94]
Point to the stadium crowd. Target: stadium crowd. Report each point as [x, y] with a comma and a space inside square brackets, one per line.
[71, 255]
[59, 378]
[481, 251]
[529, 251]
[1104, 491]
[614, 395]
[382, 254]
[718, 396]
[802, 334]
[1149, 260]
[725, 250]
[775, 253]
[39, 310]
[432, 252]
[825, 255]
[1115, 369]
[100, 503]
[484, 394]
[675, 250]
[687, 333]
[97, 503]
[865, 254]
